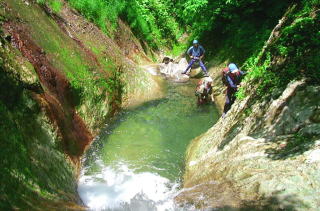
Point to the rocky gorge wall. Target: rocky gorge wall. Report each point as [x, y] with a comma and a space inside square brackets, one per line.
[264, 155]
[258, 156]
[61, 79]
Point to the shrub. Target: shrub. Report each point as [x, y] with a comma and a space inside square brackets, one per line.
[100, 11]
[54, 5]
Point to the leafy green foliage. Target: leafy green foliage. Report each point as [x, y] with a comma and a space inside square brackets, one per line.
[292, 56]
[151, 20]
[260, 74]
[178, 48]
[41, 1]
[100, 11]
[54, 5]
[230, 30]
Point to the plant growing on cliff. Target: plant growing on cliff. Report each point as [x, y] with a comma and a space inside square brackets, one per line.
[292, 56]
[54, 5]
[230, 30]
[100, 11]
[151, 21]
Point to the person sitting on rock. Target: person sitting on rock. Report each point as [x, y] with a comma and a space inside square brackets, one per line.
[196, 53]
[231, 77]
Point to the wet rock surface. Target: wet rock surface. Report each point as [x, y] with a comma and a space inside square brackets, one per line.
[172, 70]
[268, 151]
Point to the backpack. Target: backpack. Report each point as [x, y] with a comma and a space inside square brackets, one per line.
[225, 73]
[235, 77]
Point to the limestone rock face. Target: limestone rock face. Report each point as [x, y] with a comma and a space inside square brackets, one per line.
[267, 152]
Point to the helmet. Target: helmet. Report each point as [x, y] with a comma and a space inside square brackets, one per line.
[232, 67]
[195, 42]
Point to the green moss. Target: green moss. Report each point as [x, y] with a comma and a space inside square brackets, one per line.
[32, 164]
[35, 167]
[94, 84]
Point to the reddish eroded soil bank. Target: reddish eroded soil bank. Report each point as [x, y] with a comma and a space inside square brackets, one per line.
[82, 44]
[56, 98]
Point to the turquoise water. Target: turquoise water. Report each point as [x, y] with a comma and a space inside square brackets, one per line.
[139, 157]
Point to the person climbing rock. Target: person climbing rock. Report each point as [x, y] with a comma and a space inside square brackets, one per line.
[204, 91]
[196, 53]
[231, 77]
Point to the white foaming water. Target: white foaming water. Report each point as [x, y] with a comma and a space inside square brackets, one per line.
[122, 189]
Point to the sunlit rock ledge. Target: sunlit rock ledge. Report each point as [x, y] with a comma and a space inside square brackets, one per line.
[269, 153]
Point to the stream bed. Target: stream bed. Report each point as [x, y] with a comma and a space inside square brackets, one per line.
[137, 162]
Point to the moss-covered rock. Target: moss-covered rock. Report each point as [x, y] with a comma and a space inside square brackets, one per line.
[61, 78]
[35, 172]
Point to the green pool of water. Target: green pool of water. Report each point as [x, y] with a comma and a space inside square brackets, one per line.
[151, 138]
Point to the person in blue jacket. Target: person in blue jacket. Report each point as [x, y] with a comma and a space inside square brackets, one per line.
[196, 53]
[232, 76]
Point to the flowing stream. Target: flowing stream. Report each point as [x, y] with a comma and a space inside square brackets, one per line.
[137, 161]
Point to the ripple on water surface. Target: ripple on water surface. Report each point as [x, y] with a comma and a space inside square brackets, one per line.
[136, 164]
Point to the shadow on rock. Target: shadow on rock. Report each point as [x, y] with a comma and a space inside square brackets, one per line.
[273, 203]
[291, 146]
